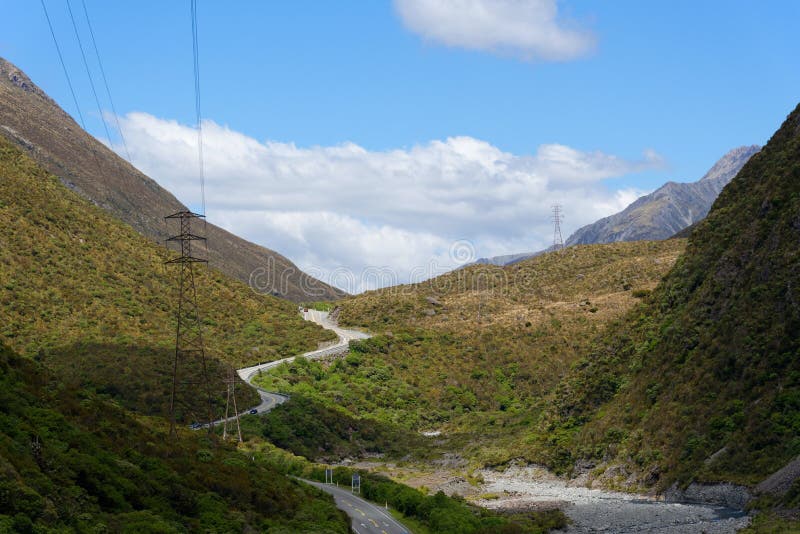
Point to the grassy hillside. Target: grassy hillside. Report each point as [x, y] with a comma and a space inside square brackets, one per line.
[704, 381]
[35, 123]
[74, 462]
[91, 298]
[553, 283]
[475, 352]
[88, 301]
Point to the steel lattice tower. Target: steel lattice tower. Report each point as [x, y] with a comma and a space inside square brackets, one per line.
[558, 217]
[231, 382]
[189, 334]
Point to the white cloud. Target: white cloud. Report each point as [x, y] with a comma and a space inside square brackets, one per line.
[346, 207]
[529, 29]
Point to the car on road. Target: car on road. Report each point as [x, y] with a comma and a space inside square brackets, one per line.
[195, 426]
[253, 411]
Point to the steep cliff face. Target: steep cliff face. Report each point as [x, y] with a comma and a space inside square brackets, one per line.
[669, 209]
[35, 123]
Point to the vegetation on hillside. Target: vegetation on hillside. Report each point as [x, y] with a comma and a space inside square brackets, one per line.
[475, 352]
[324, 433]
[615, 356]
[703, 382]
[89, 303]
[421, 512]
[446, 515]
[35, 123]
[579, 356]
[91, 298]
[74, 461]
[615, 275]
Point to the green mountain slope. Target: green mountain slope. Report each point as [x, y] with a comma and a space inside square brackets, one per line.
[74, 462]
[475, 352]
[704, 381]
[79, 451]
[91, 297]
[36, 124]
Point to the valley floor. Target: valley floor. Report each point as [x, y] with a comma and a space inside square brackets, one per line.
[520, 489]
[593, 510]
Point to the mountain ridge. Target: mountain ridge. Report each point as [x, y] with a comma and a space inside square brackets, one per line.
[35, 123]
[666, 212]
[669, 209]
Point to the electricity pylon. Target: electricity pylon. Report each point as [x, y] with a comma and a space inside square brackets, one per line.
[558, 217]
[231, 382]
[189, 334]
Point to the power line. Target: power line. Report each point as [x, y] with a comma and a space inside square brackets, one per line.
[105, 81]
[196, 54]
[88, 73]
[63, 65]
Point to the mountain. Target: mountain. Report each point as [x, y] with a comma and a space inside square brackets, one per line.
[474, 353]
[86, 346]
[36, 124]
[506, 259]
[665, 213]
[86, 330]
[90, 297]
[511, 259]
[637, 365]
[703, 382]
[669, 209]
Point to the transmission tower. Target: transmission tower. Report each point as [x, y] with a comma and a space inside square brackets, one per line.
[189, 334]
[231, 382]
[558, 217]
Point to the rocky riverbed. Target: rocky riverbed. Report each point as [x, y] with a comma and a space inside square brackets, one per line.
[592, 510]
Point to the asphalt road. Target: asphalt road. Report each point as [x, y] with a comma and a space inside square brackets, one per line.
[270, 400]
[366, 517]
[321, 318]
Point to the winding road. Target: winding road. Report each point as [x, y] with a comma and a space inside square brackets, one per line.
[269, 400]
[366, 517]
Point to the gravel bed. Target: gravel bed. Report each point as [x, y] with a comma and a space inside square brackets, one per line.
[593, 510]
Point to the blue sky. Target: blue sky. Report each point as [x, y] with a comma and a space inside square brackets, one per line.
[686, 80]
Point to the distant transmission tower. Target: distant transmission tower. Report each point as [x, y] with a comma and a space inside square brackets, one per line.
[189, 335]
[558, 217]
[231, 382]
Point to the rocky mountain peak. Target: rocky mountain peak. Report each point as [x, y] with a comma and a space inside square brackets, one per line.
[728, 165]
[16, 77]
